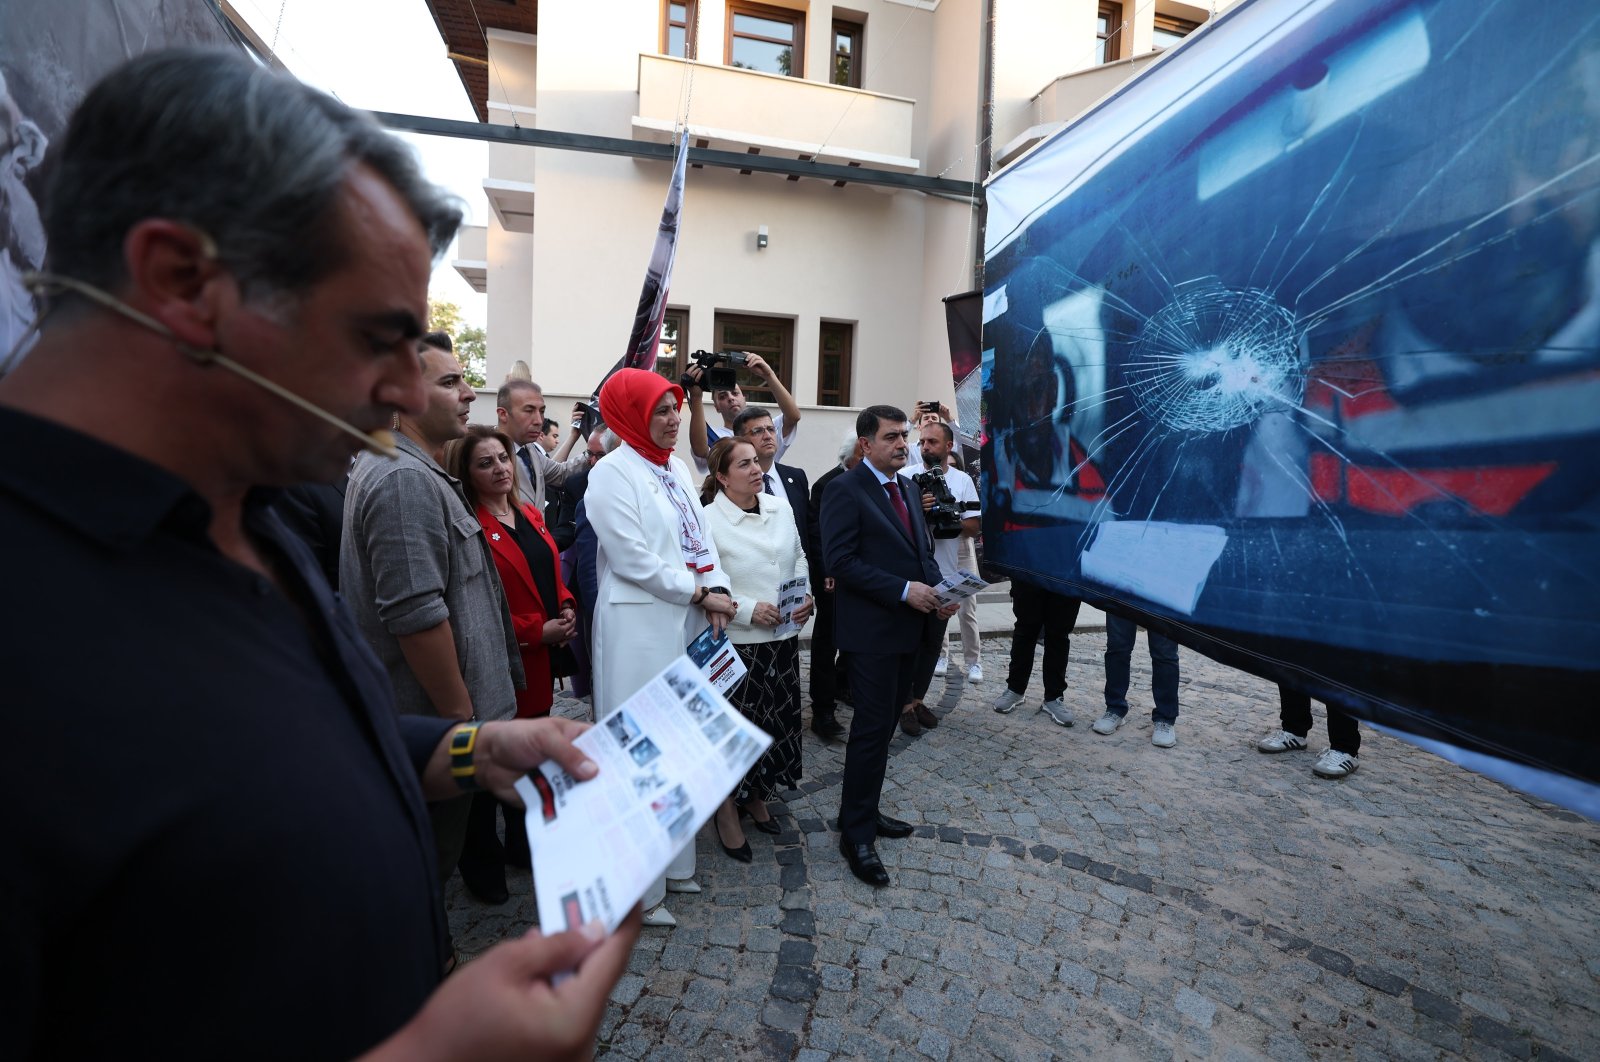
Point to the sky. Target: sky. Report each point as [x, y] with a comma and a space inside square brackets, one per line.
[387, 55]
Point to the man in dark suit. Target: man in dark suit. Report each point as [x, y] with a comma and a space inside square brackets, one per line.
[881, 559]
[783, 481]
[315, 512]
[828, 683]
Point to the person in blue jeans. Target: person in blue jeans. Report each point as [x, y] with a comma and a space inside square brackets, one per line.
[1120, 635]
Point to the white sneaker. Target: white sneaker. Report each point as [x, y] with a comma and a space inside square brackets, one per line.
[1108, 723]
[941, 667]
[975, 674]
[1165, 736]
[1058, 712]
[660, 917]
[1334, 764]
[1007, 702]
[1281, 741]
[686, 885]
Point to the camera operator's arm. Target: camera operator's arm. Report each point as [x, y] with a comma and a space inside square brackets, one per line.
[786, 403]
[697, 415]
[565, 448]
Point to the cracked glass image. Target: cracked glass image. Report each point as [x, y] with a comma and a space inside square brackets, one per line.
[1292, 347]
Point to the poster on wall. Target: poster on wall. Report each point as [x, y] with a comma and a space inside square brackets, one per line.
[51, 54]
[1292, 350]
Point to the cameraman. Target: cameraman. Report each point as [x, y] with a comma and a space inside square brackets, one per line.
[730, 403]
[937, 439]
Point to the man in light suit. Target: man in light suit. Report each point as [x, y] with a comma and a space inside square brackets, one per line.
[881, 560]
[519, 410]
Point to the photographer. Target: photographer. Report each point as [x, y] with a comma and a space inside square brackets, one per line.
[730, 402]
[936, 442]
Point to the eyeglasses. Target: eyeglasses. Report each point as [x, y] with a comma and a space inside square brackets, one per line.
[594, 456]
[768, 430]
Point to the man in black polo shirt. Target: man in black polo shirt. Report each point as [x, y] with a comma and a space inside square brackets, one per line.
[217, 843]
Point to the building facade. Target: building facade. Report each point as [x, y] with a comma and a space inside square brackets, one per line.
[839, 287]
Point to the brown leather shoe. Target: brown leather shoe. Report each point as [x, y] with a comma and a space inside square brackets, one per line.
[925, 716]
[908, 722]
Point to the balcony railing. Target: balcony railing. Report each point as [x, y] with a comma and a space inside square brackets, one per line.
[738, 110]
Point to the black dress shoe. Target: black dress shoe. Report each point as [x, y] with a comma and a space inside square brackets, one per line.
[742, 853]
[864, 863]
[768, 825]
[488, 885]
[825, 726]
[893, 828]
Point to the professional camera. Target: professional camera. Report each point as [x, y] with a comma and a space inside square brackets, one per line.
[719, 369]
[944, 519]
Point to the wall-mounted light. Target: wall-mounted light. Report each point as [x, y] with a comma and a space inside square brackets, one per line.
[761, 238]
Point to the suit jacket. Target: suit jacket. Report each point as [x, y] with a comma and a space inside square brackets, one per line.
[796, 492]
[528, 611]
[814, 551]
[871, 559]
[547, 473]
[561, 511]
[315, 512]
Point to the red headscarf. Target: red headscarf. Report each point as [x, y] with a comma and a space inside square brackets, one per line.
[627, 400]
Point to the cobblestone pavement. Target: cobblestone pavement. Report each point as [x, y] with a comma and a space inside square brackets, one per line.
[1068, 894]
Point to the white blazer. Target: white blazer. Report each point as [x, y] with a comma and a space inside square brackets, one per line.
[642, 616]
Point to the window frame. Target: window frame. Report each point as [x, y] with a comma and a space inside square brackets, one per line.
[681, 356]
[857, 32]
[785, 359]
[847, 362]
[1111, 11]
[1173, 25]
[796, 18]
[690, 17]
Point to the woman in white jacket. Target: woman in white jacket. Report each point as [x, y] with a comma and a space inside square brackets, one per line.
[760, 550]
[659, 582]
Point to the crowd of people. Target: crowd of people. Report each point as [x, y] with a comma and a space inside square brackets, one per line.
[333, 611]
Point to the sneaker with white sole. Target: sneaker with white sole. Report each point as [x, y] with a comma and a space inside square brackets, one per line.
[1164, 736]
[941, 667]
[1334, 764]
[975, 674]
[1058, 712]
[1281, 741]
[1007, 702]
[1107, 723]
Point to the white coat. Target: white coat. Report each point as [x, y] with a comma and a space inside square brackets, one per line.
[642, 616]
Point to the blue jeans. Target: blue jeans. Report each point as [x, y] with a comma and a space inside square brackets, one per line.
[1120, 634]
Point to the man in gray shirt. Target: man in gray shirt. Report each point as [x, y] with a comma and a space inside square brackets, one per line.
[416, 571]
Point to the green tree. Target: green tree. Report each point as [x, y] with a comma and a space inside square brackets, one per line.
[471, 342]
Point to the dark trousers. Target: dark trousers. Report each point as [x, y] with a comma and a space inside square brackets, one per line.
[881, 684]
[1120, 635]
[827, 667]
[1294, 715]
[481, 851]
[928, 657]
[1056, 615]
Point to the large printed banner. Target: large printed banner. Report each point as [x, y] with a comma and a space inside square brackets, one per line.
[1292, 350]
[51, 54]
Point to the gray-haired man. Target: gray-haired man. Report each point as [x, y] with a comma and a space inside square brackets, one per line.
[223, 754]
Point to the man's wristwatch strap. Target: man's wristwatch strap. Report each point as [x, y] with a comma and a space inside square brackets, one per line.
[463, 743]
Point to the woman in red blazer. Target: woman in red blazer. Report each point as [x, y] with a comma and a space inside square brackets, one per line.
[543, 613]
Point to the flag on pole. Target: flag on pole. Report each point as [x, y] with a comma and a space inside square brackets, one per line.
[646, 333]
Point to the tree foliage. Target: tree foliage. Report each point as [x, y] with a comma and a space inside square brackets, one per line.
[471, 342]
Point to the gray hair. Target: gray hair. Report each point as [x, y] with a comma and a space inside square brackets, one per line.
[254, 159]
[609, 440]
[847, 445]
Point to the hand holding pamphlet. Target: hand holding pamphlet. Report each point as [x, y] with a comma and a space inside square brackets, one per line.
[958, 587]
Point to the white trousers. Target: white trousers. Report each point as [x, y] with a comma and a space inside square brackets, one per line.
[681, 868]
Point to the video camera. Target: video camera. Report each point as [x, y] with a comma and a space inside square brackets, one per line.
[944, 519]
[715, 377]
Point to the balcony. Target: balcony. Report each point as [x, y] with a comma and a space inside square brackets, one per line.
[760, 113]
[472, 256]
[1069, 96]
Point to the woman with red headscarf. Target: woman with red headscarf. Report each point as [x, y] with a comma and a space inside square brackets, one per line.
[659, 580]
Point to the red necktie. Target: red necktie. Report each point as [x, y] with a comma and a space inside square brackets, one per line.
[899, 504]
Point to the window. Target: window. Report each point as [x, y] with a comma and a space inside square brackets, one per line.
[833, 364]
[766, 38]
[846, 53]
[1108, 30]
[771, 337]
[1170, 30]
[670, 352]
[677, 28]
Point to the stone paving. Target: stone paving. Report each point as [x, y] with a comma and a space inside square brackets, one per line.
[1067, 895]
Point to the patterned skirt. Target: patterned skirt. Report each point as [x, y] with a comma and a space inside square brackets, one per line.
[769, 697]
